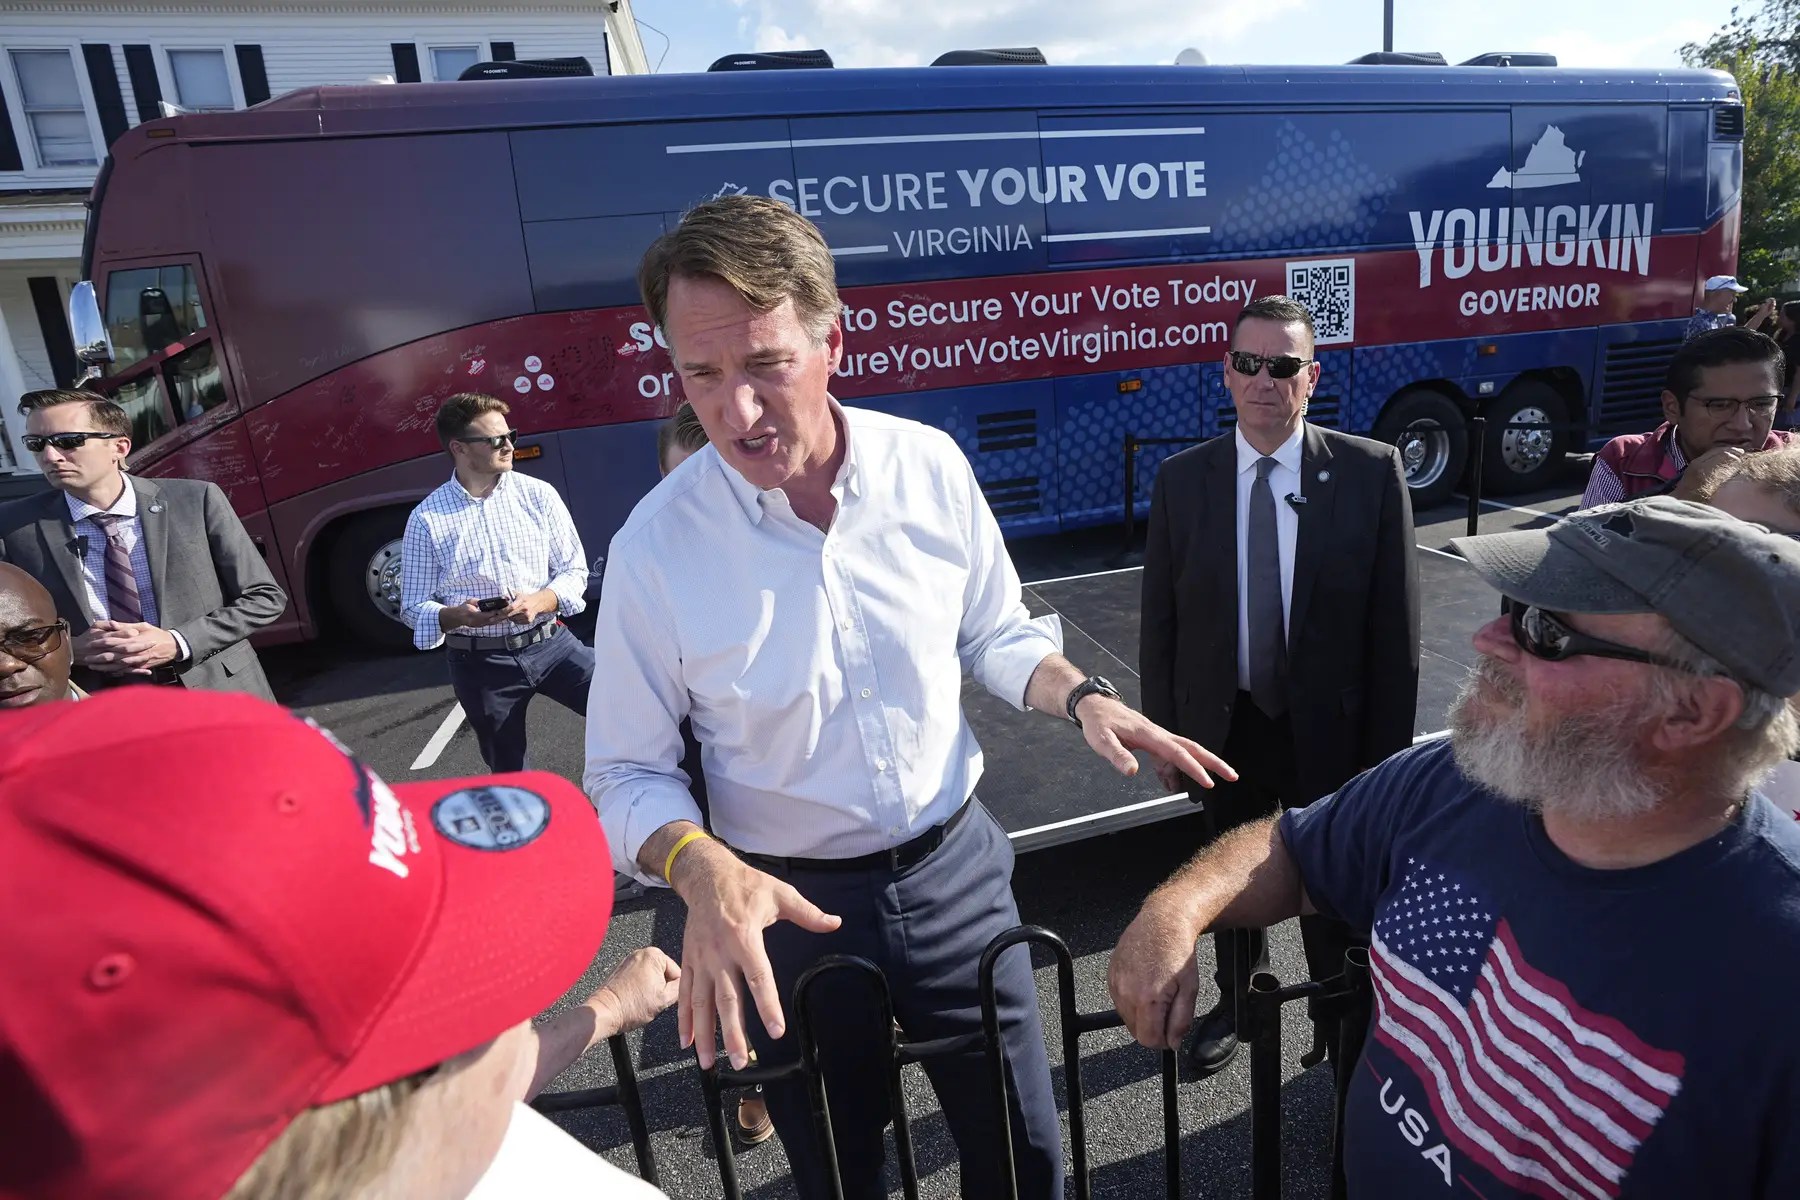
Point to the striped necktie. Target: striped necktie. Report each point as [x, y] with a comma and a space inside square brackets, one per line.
[122, 600]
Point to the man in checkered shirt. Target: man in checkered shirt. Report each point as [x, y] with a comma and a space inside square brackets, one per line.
[490, 565]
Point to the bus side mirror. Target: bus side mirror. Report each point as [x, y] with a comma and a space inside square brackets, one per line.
[93, 346]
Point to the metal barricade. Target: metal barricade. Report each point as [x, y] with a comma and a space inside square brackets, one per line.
[1258, 1008]
[902, 1052]
[623, 1093]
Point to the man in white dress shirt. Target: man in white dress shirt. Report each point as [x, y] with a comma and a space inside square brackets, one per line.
[809, 590]
[490, 566]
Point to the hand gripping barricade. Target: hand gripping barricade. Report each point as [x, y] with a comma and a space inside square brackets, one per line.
[1259, 1024]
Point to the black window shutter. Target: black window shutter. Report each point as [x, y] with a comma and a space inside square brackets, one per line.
[103, 77]
[251, 72]
[9, 141]
[406, 62]
[47, 298]
[140, 64]
[503, 51]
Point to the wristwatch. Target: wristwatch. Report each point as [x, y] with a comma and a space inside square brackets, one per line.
[1093, 685]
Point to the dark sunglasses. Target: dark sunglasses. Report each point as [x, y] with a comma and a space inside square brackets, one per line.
[35, 442]
[29, 645]
[510, 437]
[1541, 635]
[1281, 366]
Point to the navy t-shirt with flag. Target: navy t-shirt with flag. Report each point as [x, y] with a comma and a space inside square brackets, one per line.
[1550, 1030]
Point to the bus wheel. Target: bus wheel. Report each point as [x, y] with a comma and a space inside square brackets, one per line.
[363, 579]
[1433, 439]
[1523, 460]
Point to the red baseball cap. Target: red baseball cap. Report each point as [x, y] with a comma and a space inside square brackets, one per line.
[217, 918]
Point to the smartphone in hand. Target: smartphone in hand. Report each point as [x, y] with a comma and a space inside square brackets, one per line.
[492, 603]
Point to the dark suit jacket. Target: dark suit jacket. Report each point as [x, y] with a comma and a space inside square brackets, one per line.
[1353, 624]
[211, 583]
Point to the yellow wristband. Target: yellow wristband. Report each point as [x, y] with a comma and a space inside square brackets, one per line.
[669, 863]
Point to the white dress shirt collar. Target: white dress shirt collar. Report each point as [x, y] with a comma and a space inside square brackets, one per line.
[471, 497]
[849, 478]
[124, 506]
[1288, 454]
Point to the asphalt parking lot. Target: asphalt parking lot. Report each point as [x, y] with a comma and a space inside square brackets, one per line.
[397, 711]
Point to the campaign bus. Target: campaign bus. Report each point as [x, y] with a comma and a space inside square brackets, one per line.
[1042, 261]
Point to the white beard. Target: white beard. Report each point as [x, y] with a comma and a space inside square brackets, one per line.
[1585, 768]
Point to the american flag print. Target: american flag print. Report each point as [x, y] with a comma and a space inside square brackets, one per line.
[1550, 1098]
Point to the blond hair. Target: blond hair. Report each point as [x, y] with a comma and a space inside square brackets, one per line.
[1777, 471]
[334, 1150]
[763, 250]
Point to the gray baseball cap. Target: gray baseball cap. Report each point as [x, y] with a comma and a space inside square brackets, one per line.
[1729, 587]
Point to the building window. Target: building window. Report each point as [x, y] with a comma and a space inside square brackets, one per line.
[202, 80]
[54, 111]
[449, 62]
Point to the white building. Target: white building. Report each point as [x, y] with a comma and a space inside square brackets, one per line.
[75, 74]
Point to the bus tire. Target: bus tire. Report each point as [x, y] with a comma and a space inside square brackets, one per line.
[1524, 460]
[1432, 436]
[362, 579]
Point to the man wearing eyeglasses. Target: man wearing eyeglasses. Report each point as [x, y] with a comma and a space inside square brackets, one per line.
[1280, 615]
[1559, 891]
[157, 578]
[1720, 398]
[34, 644]
[490, 565]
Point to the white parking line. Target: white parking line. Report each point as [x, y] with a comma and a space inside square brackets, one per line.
[1442, 553]
[1073, 578]
[435, 747]
[1426, 737]
[1536, 512]
[1090, 818]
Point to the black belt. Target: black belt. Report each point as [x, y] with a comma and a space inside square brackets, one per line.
[899, 858]
[510, 641]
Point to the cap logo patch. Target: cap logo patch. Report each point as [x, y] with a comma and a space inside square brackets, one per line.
[393, 836]
[491, 818]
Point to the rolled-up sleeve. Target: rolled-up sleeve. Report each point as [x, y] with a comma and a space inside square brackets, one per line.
[635, 707]
[419, 579]
[568, 564]
[999, 642]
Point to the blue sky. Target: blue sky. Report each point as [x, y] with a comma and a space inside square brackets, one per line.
[1590, 33]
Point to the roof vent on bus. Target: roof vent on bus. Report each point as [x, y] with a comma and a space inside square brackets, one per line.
[1509, 58]
[1400, 58]
[529, 68]
[1016, 56]
[773, 60]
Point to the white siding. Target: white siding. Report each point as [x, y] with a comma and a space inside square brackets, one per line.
[22, 320]
[307, 46]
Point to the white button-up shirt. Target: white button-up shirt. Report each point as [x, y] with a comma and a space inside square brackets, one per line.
[517, 539]
[93, 559]
[1284, 481]
[822, 671]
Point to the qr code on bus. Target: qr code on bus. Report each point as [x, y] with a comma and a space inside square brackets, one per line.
[1327, 286]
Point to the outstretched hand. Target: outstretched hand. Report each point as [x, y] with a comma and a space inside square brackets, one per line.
[1114, 730]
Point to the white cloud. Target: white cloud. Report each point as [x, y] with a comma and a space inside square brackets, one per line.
[882, 33]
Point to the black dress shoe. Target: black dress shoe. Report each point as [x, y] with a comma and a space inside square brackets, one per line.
[1212, 1044]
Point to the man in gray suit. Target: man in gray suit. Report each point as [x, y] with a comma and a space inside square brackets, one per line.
[157, 578]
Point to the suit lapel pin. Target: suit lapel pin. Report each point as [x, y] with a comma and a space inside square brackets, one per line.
[156, 508]
[1324, 476]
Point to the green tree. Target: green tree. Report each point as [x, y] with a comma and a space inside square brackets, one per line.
[1762, 51]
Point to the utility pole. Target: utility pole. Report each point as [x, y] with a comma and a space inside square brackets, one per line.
[1387, 24]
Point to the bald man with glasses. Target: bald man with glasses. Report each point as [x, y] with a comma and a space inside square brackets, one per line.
[35, 657]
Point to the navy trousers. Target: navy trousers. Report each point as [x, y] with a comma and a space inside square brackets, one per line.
[925, 927]
[495, 688]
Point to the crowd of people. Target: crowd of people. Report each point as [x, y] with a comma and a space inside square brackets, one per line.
[278, 976]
